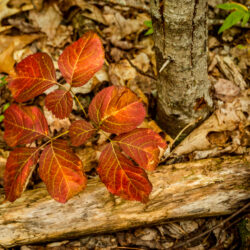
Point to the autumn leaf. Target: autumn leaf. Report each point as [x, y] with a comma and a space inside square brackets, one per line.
[82, 59]
[19, 167]
[143, 145]
[24, 125]
[60, 103]
[34, 75]
[80, 131]
[121, 177]
[62, 171]
[116, 110]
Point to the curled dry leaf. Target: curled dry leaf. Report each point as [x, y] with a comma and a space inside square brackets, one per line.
[47, 20]
[61, 171]
[60, 103]
[143, 146]
[82, 59]
[10, 44]
[80, 131]
[24, 125]
[116, 110]
[225, 90]
[34, 75]
[19, 167]
[227, 118]
[121, 177]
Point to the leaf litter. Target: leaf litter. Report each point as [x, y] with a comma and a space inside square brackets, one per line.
[122, 31]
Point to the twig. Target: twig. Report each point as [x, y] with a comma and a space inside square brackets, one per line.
[211, 229]
[139, 71]
[167, 153]
[165, 64]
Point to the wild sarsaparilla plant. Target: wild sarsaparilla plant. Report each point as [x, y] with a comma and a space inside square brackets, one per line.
[116, 110]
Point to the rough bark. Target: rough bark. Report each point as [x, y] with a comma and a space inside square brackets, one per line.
[180, 33]
[201, 188]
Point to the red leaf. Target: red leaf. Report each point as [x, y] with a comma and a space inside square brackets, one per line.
[143, 146]
[20, 165]
[80, 132]
[82, 59]
[34, 75]
[121, 177]
[116, 110]
[24, 125]
[62, 171]
[60, 103]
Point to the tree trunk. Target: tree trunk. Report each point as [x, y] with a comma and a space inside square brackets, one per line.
[180, 34]
[201, 188]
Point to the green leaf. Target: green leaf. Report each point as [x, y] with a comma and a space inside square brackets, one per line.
[3, 81]
[232, 6]
[1, 118]
[6, 106]
[231, 20]
[149, 32]
[148, 23]
[245, 19]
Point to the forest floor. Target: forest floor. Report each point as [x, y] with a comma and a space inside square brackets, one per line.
[29, 26]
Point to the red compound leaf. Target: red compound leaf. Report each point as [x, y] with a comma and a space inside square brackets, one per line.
[60, 103]
[20, 165]
[80, 132]
[116, 110]
[121, 177]
[62, 171]
[82, 59]
[34, 75]
[143, 145]
[24, 125]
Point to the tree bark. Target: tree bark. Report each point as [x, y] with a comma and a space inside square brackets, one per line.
[180, 34]
[201, 188]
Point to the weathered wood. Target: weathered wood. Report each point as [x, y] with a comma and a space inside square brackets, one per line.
[201, 188]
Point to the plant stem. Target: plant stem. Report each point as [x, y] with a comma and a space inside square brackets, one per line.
[76, 98]
[64, 133]
[80, 105]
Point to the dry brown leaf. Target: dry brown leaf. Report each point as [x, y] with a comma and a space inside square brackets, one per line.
[120, 73]
[10, 44]
[141, 61]
[230, 70]
[225, 90]
[146, 45]
[90, 11]
[3, 159]
[62, 37]
[18, 3]
[48, 19]
[88, 156]
[54, 123]
[229, 117]
[5, 11]
[119, 27]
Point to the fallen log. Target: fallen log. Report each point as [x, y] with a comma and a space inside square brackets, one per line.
[200, 188]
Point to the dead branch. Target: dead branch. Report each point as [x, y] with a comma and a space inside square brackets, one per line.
[200, 188]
